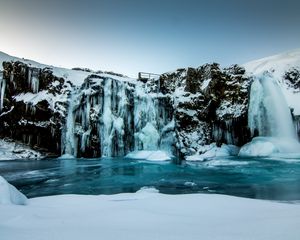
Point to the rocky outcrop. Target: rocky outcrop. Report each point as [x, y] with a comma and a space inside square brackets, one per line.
[210, 105]
[33, 106]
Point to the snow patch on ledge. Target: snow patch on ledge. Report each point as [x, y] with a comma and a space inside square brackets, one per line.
[212, 151]
[149, 155]
[11, 150]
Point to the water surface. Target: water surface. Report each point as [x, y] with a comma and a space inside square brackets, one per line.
[274, 179]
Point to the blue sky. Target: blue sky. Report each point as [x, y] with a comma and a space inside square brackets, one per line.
[129, 36]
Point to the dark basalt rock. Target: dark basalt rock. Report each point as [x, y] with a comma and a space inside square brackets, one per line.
[293, 78]
[37, 125]
[211, 106]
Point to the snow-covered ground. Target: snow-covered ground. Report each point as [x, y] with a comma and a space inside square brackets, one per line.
[12, 150]
[148, 214]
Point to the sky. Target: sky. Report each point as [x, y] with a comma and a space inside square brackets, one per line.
[129, 36]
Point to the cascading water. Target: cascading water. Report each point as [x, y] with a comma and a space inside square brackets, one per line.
[269, 118]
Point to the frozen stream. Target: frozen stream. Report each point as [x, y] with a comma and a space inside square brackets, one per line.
[274, 179]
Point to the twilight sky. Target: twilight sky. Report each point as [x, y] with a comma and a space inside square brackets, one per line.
[129, 36]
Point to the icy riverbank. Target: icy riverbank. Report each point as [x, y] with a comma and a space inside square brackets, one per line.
[148, 214]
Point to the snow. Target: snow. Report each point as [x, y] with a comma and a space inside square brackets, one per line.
[205, 84]
[148, 214]
[35, 98]
[269, 146]
[149, 155]
[228, 107]
[10, 195]
[212, 151]
[258, 148]
[11, 150]
[74, 76]
[278, 63]
[66, 156]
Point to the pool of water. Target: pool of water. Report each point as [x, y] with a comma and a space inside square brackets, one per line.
[274, 179]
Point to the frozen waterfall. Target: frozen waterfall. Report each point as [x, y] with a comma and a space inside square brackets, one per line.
[270, 120]
[269, 113]
[108, 117]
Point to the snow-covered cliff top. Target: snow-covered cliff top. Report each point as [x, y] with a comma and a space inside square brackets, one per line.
[280, 66]
[75, 76]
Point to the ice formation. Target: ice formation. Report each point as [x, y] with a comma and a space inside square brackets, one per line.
[2, 90]
[270, 118]
[117, 117]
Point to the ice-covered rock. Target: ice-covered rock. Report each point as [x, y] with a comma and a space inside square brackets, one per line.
[10, 195]
[269, 146]
[212, 151]
[10, 150]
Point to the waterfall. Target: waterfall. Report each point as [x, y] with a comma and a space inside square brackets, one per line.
[116, 117]
[270, 120]
[269, 113]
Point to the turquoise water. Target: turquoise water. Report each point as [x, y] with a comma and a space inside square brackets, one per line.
[274, 179]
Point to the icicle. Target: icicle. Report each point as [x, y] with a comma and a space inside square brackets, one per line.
[11, 77]
[106, 127]
[84, 140]
[33, 81]
[69, 140]
[29, 76]
[2, 91]
[35, 84]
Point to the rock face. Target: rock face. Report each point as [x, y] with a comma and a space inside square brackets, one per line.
[92, 114]
[210, 105]
[32, 106]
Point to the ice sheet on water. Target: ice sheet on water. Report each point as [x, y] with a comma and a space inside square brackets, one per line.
[149, 155]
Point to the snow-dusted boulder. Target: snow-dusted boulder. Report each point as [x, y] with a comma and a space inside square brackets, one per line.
[10, 195]
[212, 151]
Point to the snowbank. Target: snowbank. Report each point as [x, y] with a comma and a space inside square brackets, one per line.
[149, 215]
[10, 195]
[269, 146]
[149, 155]
[211, 151]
